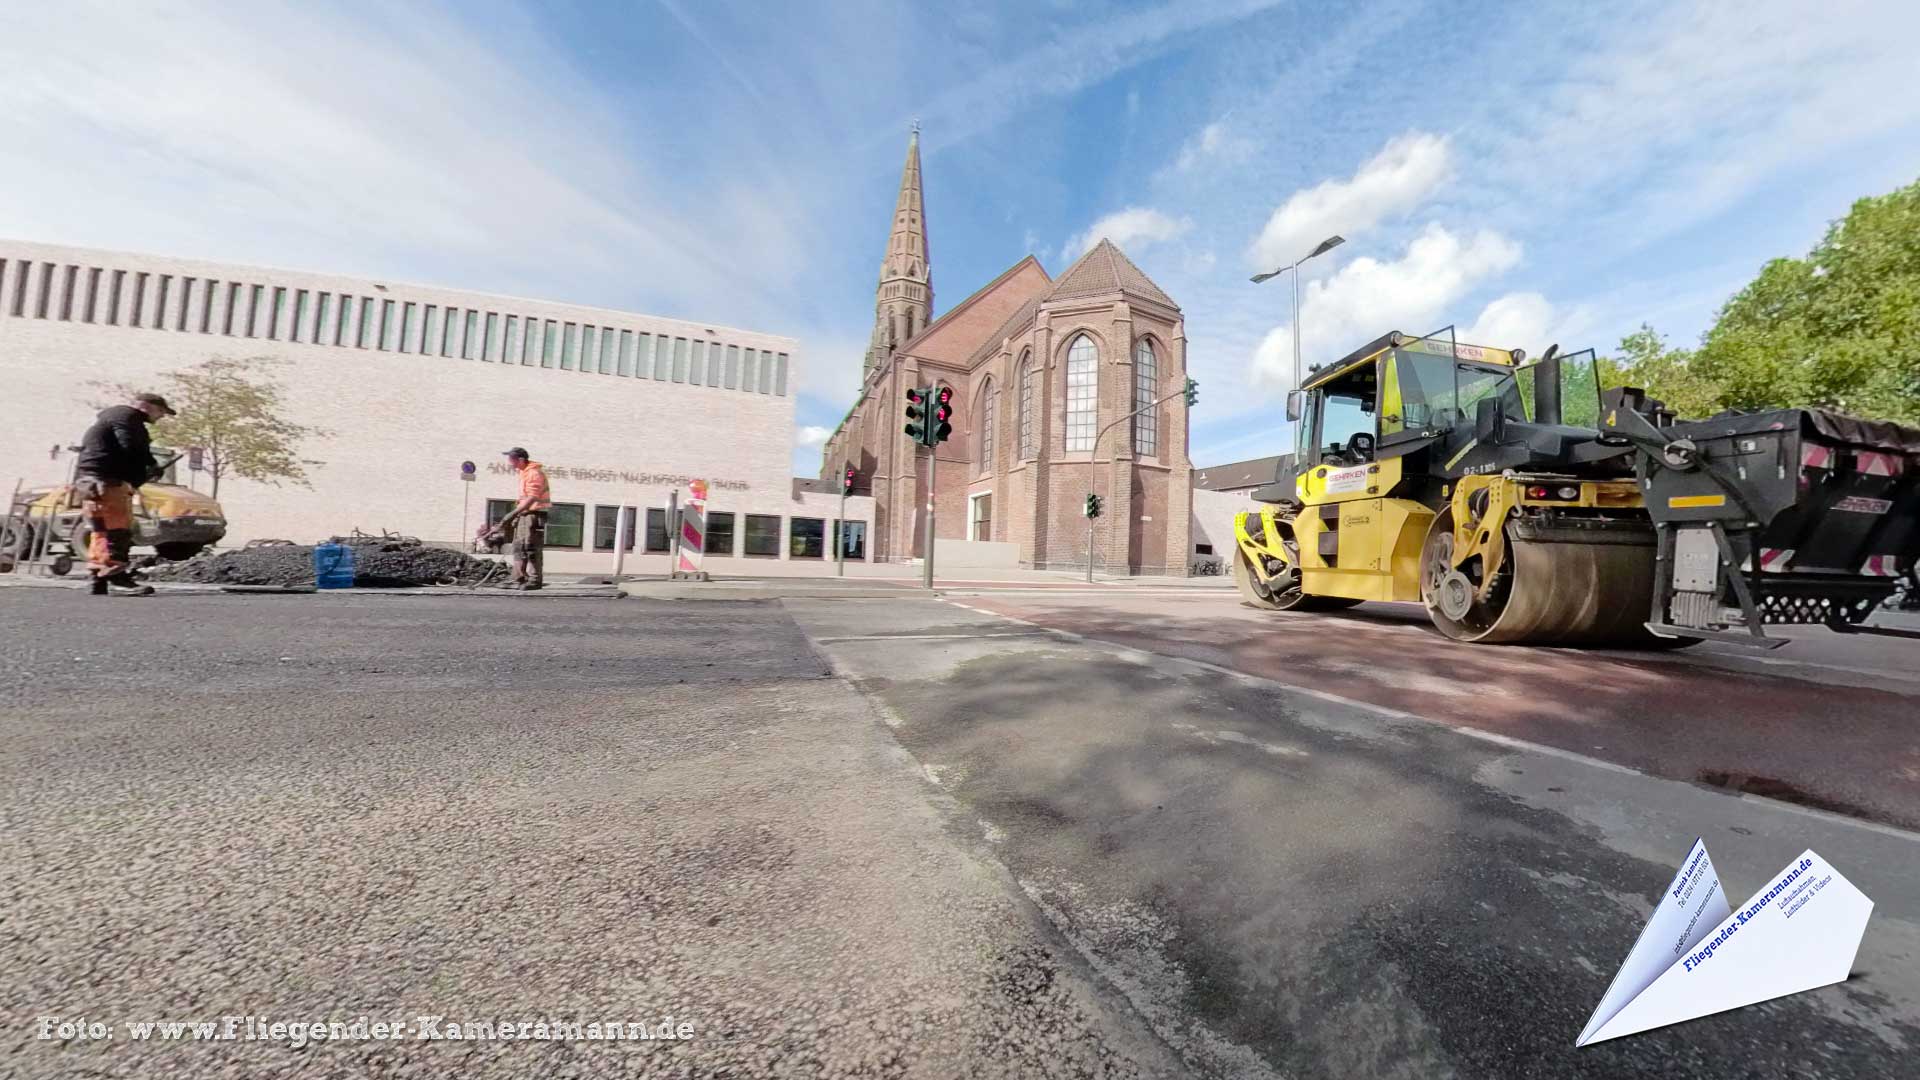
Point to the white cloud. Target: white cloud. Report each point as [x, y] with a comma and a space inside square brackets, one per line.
[1395, 181]
[1367, 298]
[811, 435]
[1216, 146]
[1133, 229]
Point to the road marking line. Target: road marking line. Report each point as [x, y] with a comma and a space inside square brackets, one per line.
[1507, 741]
[926, 637]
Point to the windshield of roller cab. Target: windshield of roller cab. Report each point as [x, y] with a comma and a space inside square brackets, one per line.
[1434, 393]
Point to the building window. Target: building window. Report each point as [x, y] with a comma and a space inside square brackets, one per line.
[161, 292]
[715, 359]
[1027, 406]
[1146, 387]
[389, 328]
[750, 370]
[656, 530]
[274, 328]
[989, 419]
[680, 359]
[491, 350]
[589, 347]
[549, 341]
[20, 272]
[470, 345]
[408, 338]
[696, 369]
[733, 366]
[763, 534]
[1083, 378]
[606, 525]
[67, 288]
[114, 285]
[566, 524]
[256, 307]
[780, 376]
[807, 538]
[139, 300]
[607, 343]
[1203, 549]
[510, 348]
[569, 347]
[626, 352]
[299, 315]
[186, 302]
[719, 539]
[658, 351]
[853, 539]
[449, 331]
[766, 372]
[91, 308]
[228, 311]
[980, 517]
[498, 509]
[45, 296]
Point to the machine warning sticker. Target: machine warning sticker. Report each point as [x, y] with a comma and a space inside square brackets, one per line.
[1353, 478]
[1860, 504]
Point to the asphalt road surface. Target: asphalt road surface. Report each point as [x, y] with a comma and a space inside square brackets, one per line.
[501, 810]
[1066, 832]
[1396, 856]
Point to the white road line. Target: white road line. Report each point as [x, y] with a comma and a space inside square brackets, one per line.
[928, 637]
[1507, 741]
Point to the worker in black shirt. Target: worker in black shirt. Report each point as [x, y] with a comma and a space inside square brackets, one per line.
[116, 457]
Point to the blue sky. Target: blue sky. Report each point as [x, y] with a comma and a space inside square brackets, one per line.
[1529, 172]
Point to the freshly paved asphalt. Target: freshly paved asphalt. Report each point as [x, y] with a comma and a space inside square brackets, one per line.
[1285, 883]
[514, 808]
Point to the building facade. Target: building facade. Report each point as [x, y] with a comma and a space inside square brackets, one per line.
[1045, 373]
[408, 382]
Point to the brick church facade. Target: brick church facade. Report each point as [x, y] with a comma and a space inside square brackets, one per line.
[1043, 370]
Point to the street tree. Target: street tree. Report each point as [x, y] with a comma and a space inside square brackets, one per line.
[235, 410]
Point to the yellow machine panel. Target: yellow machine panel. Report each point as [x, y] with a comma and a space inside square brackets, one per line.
[1363, 549]
[1344, 483]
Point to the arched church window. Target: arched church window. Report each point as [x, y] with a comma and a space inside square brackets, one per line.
[1026, 406]
[1146, 387]
[1083, 383]
[989, 419]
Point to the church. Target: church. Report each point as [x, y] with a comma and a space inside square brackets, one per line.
[1046, 372]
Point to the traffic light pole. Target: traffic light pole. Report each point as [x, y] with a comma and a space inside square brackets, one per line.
[840, 535]
[933, 461]
[1093, 475]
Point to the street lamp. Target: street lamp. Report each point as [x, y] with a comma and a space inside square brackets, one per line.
[1322, 248]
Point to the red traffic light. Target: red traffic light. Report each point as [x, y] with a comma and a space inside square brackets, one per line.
[946, 394]
[913, 395]
[847, 483]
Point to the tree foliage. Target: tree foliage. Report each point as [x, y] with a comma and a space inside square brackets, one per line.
[1839, 328]
[235, 410]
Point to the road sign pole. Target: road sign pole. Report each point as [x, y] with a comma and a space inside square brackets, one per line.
[840, 535]
[466, 503]
[933, 458]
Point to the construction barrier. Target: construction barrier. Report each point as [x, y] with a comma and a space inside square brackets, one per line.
[693, 529]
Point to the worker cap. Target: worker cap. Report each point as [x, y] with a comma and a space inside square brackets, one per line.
[157, 401]
[519, 452]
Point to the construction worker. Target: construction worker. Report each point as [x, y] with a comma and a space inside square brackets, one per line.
[526, 523]
[116, 457]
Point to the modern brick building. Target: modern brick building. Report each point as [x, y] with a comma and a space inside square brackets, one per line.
[409, 382]
[1044, 370]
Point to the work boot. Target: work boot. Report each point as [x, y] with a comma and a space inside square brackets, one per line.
[532, 585]
[98, 586]
[131, 588]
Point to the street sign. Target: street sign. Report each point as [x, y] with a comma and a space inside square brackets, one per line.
[466, 470]
[197, 458]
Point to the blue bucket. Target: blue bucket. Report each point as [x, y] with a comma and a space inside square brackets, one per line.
[333, 566]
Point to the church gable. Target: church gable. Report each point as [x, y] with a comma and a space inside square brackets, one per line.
[955, 337]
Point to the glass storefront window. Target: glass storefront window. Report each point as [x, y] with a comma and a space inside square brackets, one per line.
[807, 538]
[565, 524]
[606, 524]
[719, 533]
[763, 534]
[657, 530]
[853, 538]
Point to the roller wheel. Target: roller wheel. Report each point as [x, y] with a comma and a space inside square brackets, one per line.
[1283, 594]
[1543, 594]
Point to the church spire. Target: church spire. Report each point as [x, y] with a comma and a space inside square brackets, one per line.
[903, 303]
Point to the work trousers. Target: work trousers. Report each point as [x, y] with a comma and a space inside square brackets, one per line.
[530, 546]
[108, 506]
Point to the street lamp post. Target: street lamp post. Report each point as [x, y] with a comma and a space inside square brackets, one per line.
[1322, 248]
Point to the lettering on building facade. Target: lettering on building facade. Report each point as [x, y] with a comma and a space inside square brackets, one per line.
[621, 476]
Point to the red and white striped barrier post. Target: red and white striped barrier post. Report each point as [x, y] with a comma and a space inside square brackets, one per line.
[693, 533]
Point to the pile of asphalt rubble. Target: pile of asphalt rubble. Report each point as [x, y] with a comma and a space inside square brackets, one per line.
[378, 562]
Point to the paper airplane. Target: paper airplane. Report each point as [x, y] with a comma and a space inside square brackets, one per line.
[1697, 956]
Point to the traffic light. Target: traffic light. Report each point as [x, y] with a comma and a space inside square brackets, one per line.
[1193, 393]
[1093, 506]
[846, 481]
[942, 412]
[917, 409]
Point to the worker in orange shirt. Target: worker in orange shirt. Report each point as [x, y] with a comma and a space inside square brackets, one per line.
[526, 523]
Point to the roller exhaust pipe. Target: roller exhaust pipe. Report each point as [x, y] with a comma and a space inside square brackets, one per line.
[1546, 387]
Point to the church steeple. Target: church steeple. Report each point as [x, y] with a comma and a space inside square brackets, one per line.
[903, 303]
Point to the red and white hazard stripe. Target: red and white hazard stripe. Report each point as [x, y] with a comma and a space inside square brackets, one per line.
[1815, 456]
[1880, 566]
[1873, 463]
[1775, 559]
